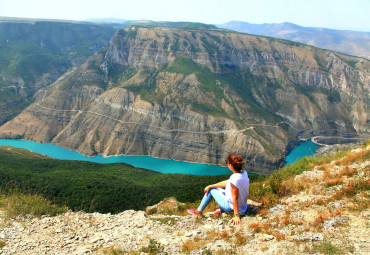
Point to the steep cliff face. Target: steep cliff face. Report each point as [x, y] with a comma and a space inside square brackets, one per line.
[198, 95]
[35, 53]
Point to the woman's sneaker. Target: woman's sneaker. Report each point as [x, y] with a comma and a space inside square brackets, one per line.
[217, 212]
[195, 212]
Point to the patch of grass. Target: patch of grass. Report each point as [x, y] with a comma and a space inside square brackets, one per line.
[17, 202]
[153, 248]
[325, 247]
[21, 204]
[263, 211]
[190, 245]
[225, 251]
[114, 251]
[166, 220]
[2, 243]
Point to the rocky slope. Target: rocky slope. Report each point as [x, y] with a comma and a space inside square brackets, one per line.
[326, 217]
[197, 95]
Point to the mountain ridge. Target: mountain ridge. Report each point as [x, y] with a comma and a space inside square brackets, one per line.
[354, 43]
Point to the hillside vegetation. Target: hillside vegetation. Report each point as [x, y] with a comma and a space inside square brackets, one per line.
[94, 187]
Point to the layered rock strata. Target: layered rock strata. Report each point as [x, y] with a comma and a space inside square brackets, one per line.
[196, 95]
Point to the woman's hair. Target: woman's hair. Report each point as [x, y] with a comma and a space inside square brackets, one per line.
[236, 161]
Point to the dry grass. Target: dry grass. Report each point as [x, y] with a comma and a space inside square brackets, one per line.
[256, 226]
[333, 182]
[317, 222]
[320, 201]
[358, 205]
[191, 245]
[354, 156]
[114, 251]
[286, 218]
[347, 172]
[263, 212]
[352, 188]
[213, 235]
[239, 239]
[223, 252]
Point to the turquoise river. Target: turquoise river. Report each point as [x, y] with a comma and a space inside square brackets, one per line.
[160, 165]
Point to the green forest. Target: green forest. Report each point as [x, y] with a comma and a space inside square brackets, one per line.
[94, 187]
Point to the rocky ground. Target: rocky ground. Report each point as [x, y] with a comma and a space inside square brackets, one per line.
[322, 218]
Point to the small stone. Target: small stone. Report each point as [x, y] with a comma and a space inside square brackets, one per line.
[96, 239]
[267, 237]
[189, 234]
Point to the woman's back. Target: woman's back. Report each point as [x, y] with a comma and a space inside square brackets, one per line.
[241, 181]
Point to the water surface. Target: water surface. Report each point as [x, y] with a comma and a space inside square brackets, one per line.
[303, 149]
[159, 165]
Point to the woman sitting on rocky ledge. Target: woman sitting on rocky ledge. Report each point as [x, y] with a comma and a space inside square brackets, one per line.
[231, 195]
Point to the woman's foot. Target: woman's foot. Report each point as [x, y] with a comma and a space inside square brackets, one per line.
[195, 212]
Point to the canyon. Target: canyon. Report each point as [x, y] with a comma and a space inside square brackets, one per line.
[198, 95]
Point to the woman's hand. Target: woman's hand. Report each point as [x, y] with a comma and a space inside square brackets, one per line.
[207, 189]
[235, 220]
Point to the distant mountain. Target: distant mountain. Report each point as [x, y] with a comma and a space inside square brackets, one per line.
[106, 20]
[197, 95]
[150, 23]
[348, 42]
[34, 53]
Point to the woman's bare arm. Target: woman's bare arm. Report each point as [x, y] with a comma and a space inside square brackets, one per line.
[216, 185]
[235, 193]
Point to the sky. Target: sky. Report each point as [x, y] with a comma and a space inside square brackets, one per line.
[336, 14]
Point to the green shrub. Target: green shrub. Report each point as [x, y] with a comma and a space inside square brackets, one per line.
[326, 247]
[153, 248]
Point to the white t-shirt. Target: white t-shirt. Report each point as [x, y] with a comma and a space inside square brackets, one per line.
[241, 181]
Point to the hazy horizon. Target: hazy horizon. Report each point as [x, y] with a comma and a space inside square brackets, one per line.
[340, 14]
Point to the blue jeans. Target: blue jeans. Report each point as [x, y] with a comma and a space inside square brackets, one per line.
[219, 196]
